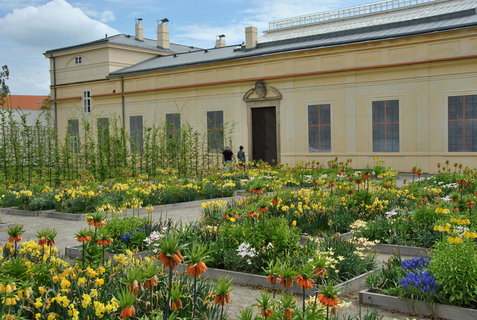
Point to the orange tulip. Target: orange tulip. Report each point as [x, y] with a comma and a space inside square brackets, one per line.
[151, 282]
[266, 313]
[222, 299]
[328, 302]
[304, 283]
[176, 305]
[16, 238]
[288, 314]
[319, 272]
[253, 215]
[135, 287]
[287, 283]
[127, 312]
[104, 242]
[272, 279]
[83, 239]
[196, 269]
[171, 262]
[42, 241]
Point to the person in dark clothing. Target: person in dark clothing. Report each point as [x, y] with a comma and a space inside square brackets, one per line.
[241, 156]
[228, 158]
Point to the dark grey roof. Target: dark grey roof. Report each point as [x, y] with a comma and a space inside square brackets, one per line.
[131, 41]
[450, 21]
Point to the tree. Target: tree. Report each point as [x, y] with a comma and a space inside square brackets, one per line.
[4, 90]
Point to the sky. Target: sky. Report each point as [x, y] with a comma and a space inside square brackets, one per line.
[31, 27]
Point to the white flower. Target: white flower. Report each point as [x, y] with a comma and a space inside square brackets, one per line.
[446, 198]
[391, 213]
[153, 237]
[245, 250]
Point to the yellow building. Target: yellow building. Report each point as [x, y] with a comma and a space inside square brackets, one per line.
[394, 79]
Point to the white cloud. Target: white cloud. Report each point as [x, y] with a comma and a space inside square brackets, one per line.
[52, 25]
[107, 16]
[30, 31]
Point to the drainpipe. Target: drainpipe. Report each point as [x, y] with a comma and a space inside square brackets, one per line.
[55, 94]
[123, 105]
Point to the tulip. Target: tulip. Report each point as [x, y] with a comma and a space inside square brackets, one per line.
[127, 312]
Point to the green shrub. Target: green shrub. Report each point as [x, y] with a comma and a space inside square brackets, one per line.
[44, 202]
[455, 269]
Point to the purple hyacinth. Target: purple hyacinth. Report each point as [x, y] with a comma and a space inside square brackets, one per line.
[422, 280]
[415, 264]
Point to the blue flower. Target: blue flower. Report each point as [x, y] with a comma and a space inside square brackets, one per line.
[415, 264]
[422, 280]
[125, 237]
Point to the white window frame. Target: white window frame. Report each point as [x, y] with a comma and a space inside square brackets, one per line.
[87, 101]
[78, 60]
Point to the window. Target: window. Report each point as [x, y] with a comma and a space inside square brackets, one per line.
[386, 126]
[215, 131]
[462, 123]
[136, 133]
[78, 60]
[173, 126]
[87, 101]
[103, 132]
[319, 128]
[73, 137]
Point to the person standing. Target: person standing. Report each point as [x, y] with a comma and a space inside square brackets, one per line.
[241, 156]
[227, 158]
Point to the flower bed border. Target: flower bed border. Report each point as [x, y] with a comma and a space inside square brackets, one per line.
[82, 216]
[45, 213]
[248, 279]
[416, 307]
[403, 250]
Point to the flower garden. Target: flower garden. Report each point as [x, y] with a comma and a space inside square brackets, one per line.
[286, 227]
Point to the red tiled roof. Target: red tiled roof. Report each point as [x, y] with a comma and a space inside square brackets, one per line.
[24, 102]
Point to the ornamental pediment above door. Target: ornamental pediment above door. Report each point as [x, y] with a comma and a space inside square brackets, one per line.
[262, 92]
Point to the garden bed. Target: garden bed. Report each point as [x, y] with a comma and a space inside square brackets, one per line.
[416, 307]
[403, 250]
[247, 279]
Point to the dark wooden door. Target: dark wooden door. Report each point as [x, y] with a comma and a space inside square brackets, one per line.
[264, 134]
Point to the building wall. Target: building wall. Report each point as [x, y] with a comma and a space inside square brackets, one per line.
[97, 62]
[421, 72]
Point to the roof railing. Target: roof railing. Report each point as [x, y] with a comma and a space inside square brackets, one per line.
[344, 13]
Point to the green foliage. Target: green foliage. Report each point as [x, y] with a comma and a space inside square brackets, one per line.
[30, 154]
[15, 230]
[387, 280]
[350, 264]
[223, 286]
[455, 269]
[43, 202]
[14, 269]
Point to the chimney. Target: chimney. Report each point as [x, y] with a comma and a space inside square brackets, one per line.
[163, 34]
[139, 29]
[250, 37]
[220, 42]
